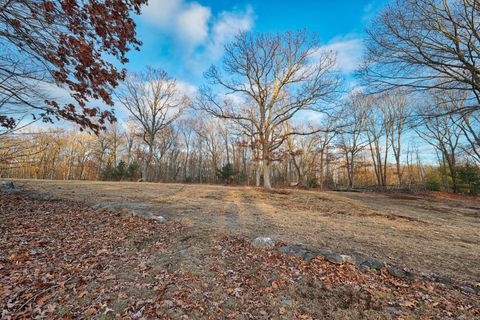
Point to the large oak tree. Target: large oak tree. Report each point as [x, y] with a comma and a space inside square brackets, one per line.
[267, 79]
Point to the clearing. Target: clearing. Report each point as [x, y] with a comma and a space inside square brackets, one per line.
[435, 233]
[69, 259]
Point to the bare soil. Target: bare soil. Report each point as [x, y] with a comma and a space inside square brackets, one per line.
[434, 233]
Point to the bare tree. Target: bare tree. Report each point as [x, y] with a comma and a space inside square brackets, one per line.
[426, 44]
[154, 102]
[275, 76]
[378, 136]
[351, 139]
[443, 134]
[397, 112]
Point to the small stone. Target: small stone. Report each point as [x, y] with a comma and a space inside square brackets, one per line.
[183, 251]
[392, 310]
[443, 280]
[397, 272]
[293, 251]
[263, 242]
[467, 289]
[41, 197]
[160, 219]
[138, 314]
[308, 256]
[7, 185]
[368, 265]
[339, 258]
[287, 302]
[148, 214]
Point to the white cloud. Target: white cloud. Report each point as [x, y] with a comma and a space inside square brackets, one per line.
[349, 51]
[223, 30]
[200, 36]
[161, 13]
[192, 24]
[186, 21]
[186, 88]
[226, 27]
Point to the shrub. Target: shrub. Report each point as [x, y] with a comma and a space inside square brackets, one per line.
[469, 176]
[226, 173]
[120, 172]
[433, 180]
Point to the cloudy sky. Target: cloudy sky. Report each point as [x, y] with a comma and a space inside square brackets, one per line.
[185, 37]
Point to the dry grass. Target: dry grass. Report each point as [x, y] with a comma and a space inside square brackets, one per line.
[435, 233]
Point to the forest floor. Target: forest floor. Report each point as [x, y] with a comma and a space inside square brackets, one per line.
[72, 258]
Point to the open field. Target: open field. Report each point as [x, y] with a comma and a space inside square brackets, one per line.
[433, 234]
[67, 260]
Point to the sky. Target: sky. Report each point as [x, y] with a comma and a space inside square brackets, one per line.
[186, 37]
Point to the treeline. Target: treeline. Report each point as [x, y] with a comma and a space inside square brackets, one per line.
[275, 112]
[361, 149]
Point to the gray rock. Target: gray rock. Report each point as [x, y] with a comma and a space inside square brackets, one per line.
[148, 214]
[263, 242]
[368, 265]
[308, 256]
[286, 302]
[400, 273]
[160, 219]
[444, 280]
[339, 258]
[41, 197]
[300, 252]
[467, 289]
[293, 251]
[7, 185]
[397, 272]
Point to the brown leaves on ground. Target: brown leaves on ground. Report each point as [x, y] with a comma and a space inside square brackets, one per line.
[66, 260]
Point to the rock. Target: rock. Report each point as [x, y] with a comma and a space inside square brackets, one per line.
[300, 252]
[339, 258]
[293, 251]
[397, 272]
[41, 197]
[308, 256]
[263, 242]
[160, 219]
[149, 215]
[467, 289]
[368, 265]
[286, 302]
[444, 280]
[400, 273]
[7, 185]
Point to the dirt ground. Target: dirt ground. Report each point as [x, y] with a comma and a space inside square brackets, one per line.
[432, 233]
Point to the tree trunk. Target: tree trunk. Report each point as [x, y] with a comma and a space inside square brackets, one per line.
[267, 184]
[258, 175]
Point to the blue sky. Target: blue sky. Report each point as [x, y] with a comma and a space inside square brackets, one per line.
[185, 37]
